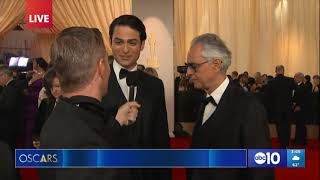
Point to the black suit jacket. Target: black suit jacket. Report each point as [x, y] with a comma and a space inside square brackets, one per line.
[77, 123]
[7, 169]
[10, 112]
[278, 94]
[302, 98]
[239, 122]
[44, 111]
[151, 127]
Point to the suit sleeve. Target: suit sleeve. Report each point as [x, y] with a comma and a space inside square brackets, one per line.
[40, 117]
[255, 135]
[8, 98]
[113, 132]
[161, 134]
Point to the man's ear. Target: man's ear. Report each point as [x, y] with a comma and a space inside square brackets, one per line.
[101, 67]
[217, 64]
[142, 45]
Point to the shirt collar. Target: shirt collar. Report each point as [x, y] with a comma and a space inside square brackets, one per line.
[9, 82]
[117, 67]
[217, 93]
[82, 99]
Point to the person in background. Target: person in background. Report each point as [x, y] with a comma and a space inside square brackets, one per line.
[252, 85]
[53, 92]
[257, 75]
[10, 118]
[243, 82]
[42, 94]
[278, 98]
[246, 74]
[151, 71]
[315, 99]
[264, 79]
[31, 99]
[307, 83]
[229, 118]
[301, 108]
[234, 77]
[10, 106]
[309, 99]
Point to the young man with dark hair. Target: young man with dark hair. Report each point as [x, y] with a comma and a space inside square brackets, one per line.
[150, 131]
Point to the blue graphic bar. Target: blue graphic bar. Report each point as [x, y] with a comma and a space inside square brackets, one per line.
[166, 158]
[98, 158]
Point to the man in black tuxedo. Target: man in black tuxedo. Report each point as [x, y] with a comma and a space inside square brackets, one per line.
[78, 120]
[301, 106]
[10, 111]
[229, 118]
[10, 106]
[278, 98]
[127, 37]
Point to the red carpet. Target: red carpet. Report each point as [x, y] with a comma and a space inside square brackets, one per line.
[311, 172]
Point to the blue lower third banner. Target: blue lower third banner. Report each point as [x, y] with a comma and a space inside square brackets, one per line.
[166, 158]
[102, 158]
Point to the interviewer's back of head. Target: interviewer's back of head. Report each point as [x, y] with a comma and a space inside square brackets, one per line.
[75, 54]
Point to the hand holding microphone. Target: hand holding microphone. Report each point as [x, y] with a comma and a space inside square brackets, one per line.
[132, 80]
[127, 113]
[131, 107]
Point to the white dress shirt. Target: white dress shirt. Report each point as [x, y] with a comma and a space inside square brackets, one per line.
[216, 95]
[123, 82]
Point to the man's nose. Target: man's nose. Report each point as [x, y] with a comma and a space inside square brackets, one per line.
[126, 48]
[189, 72]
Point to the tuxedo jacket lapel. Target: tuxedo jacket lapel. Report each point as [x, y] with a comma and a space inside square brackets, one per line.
[221, 112]
[115, 97]
[115, 89]
[142, 98]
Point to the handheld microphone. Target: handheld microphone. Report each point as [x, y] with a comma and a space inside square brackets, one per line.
[132, 80]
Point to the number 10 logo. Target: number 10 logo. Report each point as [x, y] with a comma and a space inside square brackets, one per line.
[261, 158]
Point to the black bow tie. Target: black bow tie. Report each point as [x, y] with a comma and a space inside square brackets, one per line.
[123, 73]
[211, 100]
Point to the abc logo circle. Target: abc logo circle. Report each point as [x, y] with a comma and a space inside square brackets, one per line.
[260, 158]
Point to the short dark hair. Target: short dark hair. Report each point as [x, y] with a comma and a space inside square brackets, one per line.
[235, 73]
[48, 80]
[42, 63]
[74, 55]
[129, 20]
[251, 81]
[308, 78]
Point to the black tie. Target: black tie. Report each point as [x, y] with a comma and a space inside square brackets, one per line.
[211, 100]
[123, 73]
[203, 106]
